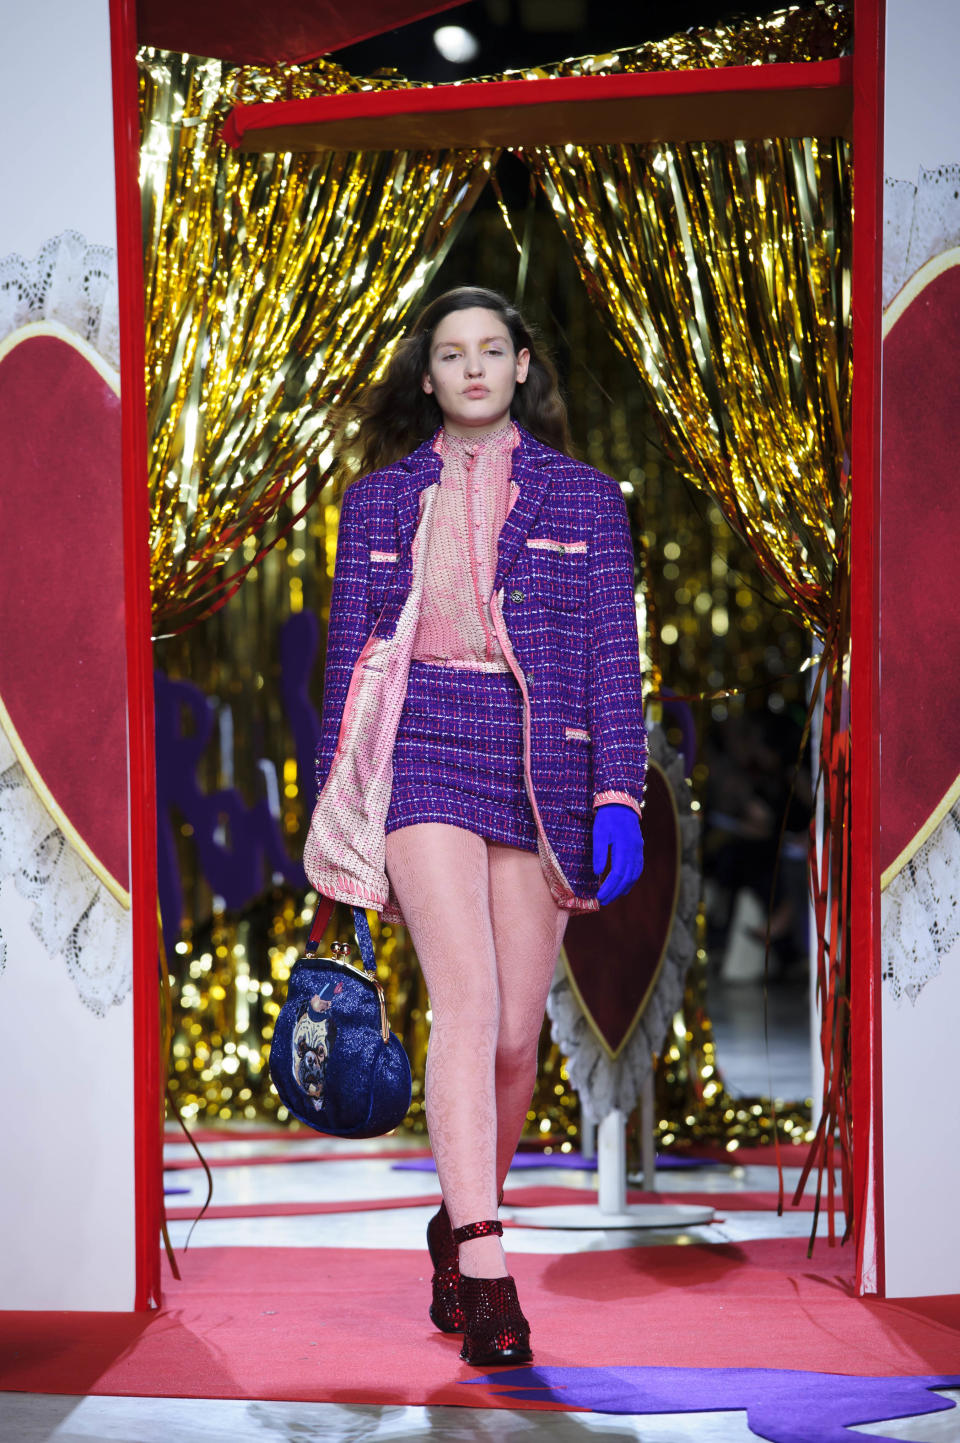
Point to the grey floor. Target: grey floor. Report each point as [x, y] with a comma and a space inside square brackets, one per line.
[34, 1418]
[749, 1068]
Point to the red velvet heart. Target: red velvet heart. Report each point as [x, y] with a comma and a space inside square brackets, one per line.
[62, 663]
[919, 530]
[614, 955]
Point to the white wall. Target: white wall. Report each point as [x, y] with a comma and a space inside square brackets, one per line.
[56, 162]
[66, 1203]
[66, 1105]
[921, 104]
[921, 1137]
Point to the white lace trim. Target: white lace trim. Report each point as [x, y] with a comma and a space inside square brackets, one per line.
[70, 282]
[73, 914]
[919, 222]
[920, 911]
[603, 1084]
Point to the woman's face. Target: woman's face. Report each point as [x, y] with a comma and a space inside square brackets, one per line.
[473, 370]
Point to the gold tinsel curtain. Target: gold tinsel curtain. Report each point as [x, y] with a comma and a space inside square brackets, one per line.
[275, 286]
[722, 271]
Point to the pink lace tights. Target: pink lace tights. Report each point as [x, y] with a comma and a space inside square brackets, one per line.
[487, 933]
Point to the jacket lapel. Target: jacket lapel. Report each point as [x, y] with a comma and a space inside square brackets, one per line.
[532, 472]
[419, 469]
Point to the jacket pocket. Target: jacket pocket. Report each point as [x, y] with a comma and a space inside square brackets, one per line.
[558, 572]
[383, 571]
[577, 771]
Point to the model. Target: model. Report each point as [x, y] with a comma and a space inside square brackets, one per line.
[482, 754]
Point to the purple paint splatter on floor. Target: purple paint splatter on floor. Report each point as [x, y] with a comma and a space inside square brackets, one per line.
[526, 1160]
[781, 1406]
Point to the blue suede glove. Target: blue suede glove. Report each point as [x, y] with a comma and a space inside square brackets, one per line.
[617, 835]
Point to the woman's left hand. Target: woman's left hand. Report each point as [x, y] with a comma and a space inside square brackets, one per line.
[617, 835]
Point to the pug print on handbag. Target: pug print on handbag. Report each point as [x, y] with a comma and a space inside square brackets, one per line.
[313, 1035]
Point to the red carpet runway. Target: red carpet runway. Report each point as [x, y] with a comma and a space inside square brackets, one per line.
[350, 1325]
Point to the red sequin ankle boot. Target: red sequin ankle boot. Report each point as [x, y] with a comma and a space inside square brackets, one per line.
[494, 1329]
[445, 1310]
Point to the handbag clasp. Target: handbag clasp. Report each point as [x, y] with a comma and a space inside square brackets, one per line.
[370, 977]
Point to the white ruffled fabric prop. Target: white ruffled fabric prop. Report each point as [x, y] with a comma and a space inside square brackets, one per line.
[70, 282]
[603, 1084]
[920, 911]
[919, 222]
[73, 914]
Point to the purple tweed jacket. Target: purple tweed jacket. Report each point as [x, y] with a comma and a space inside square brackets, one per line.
[565, 578]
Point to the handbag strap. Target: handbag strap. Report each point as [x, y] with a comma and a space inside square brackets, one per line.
[361, 927]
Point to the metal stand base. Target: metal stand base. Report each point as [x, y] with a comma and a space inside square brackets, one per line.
[585, 1216]
[612, 1210]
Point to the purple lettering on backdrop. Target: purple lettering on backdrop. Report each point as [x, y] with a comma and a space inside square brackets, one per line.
[238, 847]
[680, 713]
[299, 639]
[781, 1405]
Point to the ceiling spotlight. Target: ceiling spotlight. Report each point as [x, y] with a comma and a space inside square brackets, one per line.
[456, 44]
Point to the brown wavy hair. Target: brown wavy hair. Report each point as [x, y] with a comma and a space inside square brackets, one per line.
[395, 414]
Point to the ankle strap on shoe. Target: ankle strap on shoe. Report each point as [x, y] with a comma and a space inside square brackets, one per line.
[477, 1230]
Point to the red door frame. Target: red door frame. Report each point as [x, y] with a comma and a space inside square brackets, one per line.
[867, 302]
[864, 688]
[147, 1090]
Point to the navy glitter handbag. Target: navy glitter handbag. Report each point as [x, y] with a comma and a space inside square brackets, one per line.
[333, 1059]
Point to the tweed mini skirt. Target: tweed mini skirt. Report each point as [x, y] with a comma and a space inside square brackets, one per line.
[458, 755]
